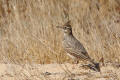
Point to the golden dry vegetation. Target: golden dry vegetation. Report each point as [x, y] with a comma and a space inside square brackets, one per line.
[56, 72]
[28, 31]
[28, 34]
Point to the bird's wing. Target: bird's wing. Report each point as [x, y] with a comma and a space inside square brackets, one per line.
[76, 49]
[80, 48]
[77, 54]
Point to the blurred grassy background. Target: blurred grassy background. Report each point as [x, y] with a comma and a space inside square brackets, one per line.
[28, 31]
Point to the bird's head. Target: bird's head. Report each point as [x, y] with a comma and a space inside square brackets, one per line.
[66, 28]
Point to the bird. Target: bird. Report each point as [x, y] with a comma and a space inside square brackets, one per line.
[75, 48]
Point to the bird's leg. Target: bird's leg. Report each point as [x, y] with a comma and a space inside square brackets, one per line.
[75, 62]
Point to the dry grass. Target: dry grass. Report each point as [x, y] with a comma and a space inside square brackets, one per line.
[55, 72]
[28, 33]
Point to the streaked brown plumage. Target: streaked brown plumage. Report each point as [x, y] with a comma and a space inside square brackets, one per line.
[74, 48]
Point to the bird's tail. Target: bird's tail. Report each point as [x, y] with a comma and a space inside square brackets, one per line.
[94, 66]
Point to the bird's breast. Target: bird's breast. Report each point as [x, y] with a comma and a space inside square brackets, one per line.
[68, 41]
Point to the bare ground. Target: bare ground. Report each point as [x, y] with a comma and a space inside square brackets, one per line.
[28, 34]
[56, 72]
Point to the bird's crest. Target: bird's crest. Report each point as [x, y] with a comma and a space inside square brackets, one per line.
[68, 23]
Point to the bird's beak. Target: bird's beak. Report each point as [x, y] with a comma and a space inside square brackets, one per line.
[59, 27]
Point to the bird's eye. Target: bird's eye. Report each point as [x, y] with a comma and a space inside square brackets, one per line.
[65, 27]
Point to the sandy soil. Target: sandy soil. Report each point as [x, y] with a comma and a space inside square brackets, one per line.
[56, 72]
